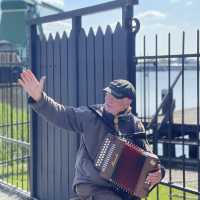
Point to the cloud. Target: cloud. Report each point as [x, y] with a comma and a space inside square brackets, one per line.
[162, 30]
[151, 14]
[54, 27]
[156, 28]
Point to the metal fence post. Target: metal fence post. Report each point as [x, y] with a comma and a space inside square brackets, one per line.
[76, 28]
[127, 16]
[33, 162]
[75, 140]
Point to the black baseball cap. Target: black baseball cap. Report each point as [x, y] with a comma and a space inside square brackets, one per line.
[121, 88]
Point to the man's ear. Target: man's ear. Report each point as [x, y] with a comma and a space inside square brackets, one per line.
[128, 101]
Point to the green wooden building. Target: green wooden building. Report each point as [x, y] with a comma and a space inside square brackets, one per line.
[15, 13]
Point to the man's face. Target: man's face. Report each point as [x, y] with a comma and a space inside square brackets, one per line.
[114, 105]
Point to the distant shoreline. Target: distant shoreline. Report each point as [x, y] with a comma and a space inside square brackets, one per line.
[164, 68]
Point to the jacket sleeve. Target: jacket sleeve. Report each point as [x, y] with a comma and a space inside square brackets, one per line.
[66, 117]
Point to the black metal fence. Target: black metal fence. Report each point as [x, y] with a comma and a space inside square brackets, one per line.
[168, 103]
[14, 128]
[77, 67]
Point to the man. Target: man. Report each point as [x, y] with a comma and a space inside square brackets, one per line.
[93, 123]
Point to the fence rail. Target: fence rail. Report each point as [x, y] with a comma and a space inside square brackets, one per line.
[84, 11]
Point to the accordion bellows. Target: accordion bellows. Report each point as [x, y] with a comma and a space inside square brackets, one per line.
[125, 165]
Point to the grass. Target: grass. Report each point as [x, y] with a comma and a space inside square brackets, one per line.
[16, 174]
[164, 194]
[13, 124]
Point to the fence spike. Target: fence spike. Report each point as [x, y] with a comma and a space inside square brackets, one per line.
[91, 32]
[108, 30]
[118, 27]
[99, 31]
[64, 35]
[50, 38]
[82, 33]
[57, 36]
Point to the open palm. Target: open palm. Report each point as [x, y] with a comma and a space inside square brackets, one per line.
[31, 85]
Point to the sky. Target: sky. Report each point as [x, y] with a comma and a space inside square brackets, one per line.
[156, 17]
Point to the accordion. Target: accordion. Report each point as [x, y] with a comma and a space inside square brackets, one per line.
[125, 165]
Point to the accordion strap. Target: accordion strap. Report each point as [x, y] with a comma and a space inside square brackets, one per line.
[99, 113]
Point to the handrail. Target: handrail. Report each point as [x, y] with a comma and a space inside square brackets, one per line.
[82, 11]
[179, 187]
[190, 55]
[14, 141]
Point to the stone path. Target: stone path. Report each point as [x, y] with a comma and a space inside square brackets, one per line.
[5, 196]
[8, 193]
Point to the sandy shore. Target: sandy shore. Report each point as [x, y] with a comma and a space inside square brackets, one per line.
[190, 116]
[191, 178]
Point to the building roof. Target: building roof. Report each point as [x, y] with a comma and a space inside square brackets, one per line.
[6, 45]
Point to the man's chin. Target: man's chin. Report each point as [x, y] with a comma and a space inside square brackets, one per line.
[107, 109]
[111, 111]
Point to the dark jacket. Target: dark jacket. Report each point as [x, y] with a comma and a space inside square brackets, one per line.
[92, 123]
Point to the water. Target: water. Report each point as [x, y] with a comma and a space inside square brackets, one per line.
[189, 96]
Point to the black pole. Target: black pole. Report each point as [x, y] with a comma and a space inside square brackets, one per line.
[127, 16]
[76, 28]
[33, 161]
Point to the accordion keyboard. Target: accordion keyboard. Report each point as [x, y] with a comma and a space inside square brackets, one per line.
[105, 154]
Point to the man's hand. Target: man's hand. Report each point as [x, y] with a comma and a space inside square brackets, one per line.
[154, 178]
[31, 85]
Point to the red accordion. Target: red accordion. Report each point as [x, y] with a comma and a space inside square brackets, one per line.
[126, 165]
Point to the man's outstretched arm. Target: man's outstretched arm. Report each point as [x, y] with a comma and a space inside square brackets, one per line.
[66, 117]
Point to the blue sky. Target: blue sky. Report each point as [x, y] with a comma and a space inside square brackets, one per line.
[156, 16]
[170, 12]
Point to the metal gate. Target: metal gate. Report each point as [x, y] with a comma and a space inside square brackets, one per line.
[77, 67]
